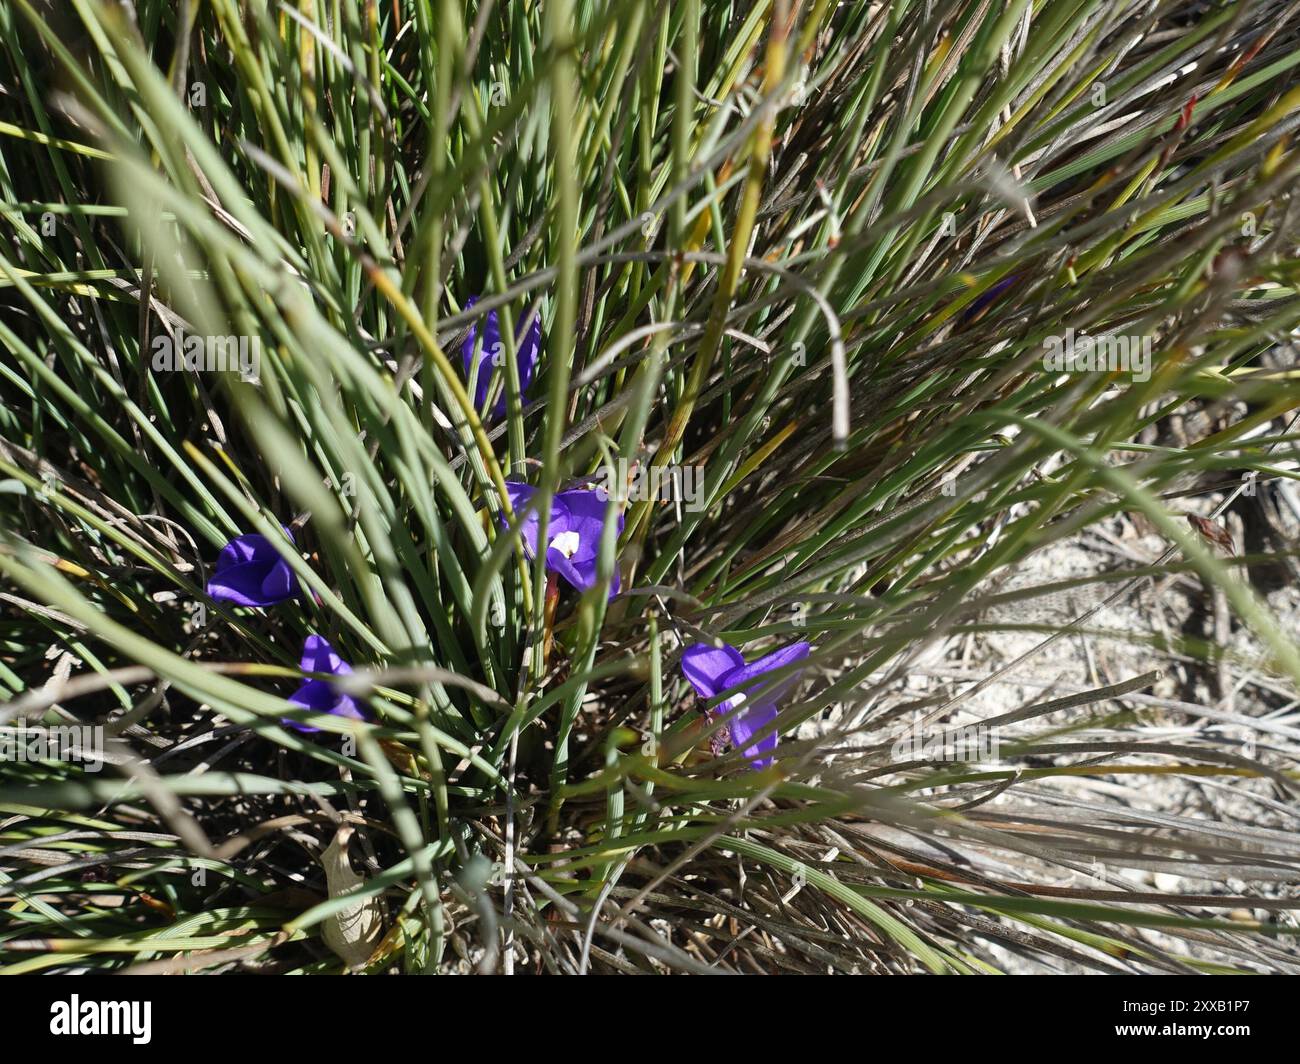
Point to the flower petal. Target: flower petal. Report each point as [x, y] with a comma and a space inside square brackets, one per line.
[756, 701]
[254, 583]
[240, 584]
[977, 307]
[579, 574]
[521, 495]
[486, 362]
[250, 572]
[315, 695]
[319, 696]
[527, 346]
[347, 706]
[279, 584]
[586, 510]
[491, 354]
[744, 679]
[530, 347]
[319, 656]
[246, 548]
[707, 667]
[749, 720]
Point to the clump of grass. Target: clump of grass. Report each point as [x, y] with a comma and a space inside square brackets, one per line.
[813, 253]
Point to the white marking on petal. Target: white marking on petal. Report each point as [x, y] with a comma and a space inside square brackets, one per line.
[566, 543]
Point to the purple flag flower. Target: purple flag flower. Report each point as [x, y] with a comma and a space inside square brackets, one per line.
[980, 304]
[492, 353]
[320, 696]
[574, 530]
[751, 710]
[250, 572]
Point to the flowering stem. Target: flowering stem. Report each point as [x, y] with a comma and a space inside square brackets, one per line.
[548, 616]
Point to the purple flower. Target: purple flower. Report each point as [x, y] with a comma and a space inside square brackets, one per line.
[751, 710]
[492, 354]
[320, 696]
[574, 531]
[250, 572]
[980, 304]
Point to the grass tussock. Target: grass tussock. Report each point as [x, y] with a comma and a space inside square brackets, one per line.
[797, 270]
